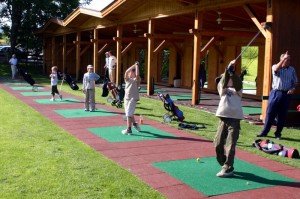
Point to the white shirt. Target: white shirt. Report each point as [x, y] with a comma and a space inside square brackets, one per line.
[112, 61]
[54, 79]
[13, 61]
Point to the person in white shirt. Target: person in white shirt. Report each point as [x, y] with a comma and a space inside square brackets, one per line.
[132, 82]
[13, 64]
[54, 81]
[106, 64]
[230, 112]
[88, 88]
[112, 62]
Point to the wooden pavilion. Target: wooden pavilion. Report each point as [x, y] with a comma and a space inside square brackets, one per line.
[192, 31]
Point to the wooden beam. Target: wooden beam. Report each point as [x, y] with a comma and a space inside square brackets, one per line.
[150, 60]
[250, 12]
[208, 45]
[64, 53]
[77, 69]
[267, 79]
[85, 49]
[130, 39]
[218, 50]
[196, 57]
[189, 2]
[160, 46]
[168, 36]
[103, 48]
[81, 42]
[95, 51]
[70, 50]
[119, 55]
[127, 48]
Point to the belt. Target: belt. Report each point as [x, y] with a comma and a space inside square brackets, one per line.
[283, 91]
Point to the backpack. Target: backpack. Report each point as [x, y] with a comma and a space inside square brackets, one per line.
[270, 147]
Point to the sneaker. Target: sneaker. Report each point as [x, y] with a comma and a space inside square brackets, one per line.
[126, 132]
[225, 173]
[93, 110]
[52, 99]
[60, 96]
[86, 110]
[137, 127]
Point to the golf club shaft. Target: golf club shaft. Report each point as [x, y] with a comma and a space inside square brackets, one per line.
[247, 45]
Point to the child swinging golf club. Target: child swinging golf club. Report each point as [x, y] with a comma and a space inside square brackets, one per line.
[132, 82]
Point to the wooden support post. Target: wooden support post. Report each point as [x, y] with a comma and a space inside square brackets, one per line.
[78, 39]
[150, 80]
[95, 52]
[197, 57]
[53, 51]
[64, 53]
[119, 54]
[268, 61]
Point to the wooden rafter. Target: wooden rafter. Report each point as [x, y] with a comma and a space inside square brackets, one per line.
[70, 50]
[127, 48]
[208, 45]
[85, 49]
[251, 13]
[160, 46]
[103, 48]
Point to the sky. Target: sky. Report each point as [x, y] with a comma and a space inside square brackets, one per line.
[98, 4]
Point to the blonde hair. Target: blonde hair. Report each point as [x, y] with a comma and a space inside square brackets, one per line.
[54, 68]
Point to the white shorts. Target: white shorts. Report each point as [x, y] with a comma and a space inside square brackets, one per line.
[129, 106]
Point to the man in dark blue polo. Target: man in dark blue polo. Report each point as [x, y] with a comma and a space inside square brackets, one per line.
[283, 86]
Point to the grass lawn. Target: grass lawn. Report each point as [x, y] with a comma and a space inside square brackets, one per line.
[41, 160]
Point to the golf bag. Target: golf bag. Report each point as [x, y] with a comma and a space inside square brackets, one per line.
[105, 90]
[27, 77]
[172, 108]
[70, 81]
[270, 147]
[117, 93]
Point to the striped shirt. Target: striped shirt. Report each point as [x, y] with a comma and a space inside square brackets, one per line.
[284, 79]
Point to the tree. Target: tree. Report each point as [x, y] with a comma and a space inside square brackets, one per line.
[24, 17]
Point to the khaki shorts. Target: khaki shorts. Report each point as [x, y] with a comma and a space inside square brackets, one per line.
[129, 105]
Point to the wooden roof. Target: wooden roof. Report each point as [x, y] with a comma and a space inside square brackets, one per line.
[176, 17]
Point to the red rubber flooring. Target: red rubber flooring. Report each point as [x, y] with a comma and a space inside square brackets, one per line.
[138, 156]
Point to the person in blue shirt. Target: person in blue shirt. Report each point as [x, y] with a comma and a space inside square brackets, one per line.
[88, 88]
[283, 86]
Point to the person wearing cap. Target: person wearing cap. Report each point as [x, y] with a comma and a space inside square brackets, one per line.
[112, 62]
[88, 88]
[230, 114]
[106, 64]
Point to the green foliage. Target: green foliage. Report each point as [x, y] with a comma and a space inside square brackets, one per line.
[28, 16]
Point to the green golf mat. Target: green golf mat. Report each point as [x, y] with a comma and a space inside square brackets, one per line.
[185, 97]
[17, 88]
[201, 175]
[77, 113]
[44, 93]
[17, 84]
[57, 101]
[142, 90]
[251, 110]
[113, 134]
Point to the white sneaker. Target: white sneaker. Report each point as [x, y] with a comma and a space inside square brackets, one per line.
[126, 132]
[137, 127]
[224, 174]
[52, 99]
[60, 96]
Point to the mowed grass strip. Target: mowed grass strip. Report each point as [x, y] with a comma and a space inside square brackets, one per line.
[41, 160]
